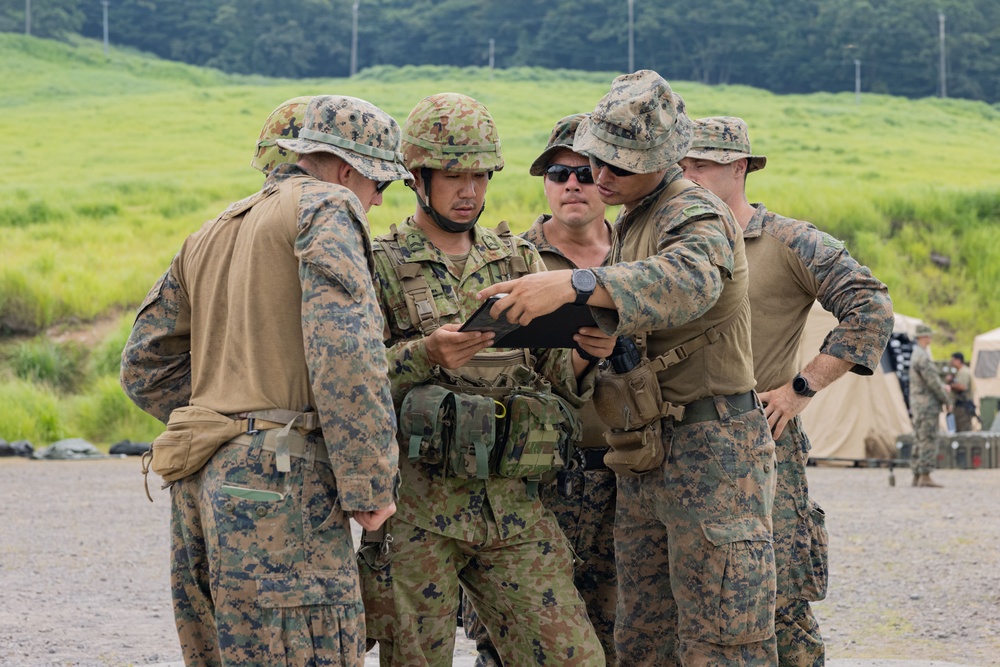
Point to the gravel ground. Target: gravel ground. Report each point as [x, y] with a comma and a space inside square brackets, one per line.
[915, 573]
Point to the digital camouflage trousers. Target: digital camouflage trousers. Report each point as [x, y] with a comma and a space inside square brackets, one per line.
[696, 569]
[262, 564]
[801, 554]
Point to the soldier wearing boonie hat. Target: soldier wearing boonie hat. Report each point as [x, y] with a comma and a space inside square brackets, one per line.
[677, 278]
[261, 347]
[574, 234]
[468, 519]
[792, 265]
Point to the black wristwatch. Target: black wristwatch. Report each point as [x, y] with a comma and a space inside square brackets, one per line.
[800, 386]
[584, 282]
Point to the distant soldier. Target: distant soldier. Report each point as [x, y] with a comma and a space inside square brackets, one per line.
[480, 428]
[792, 264]
[283, 123]
[261, 349]
[960, 383]
[928, 395]
[575, 235]
[689, 439]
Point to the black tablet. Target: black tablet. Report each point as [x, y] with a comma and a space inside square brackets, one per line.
[553, 330]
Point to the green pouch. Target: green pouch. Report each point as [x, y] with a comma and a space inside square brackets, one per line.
[474, 436]
[538, 431]
[425, 421]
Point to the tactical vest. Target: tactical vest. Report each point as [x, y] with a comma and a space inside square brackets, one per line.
[645, 244]
[493, 416]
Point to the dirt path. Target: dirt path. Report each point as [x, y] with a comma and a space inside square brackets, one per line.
[83, 566]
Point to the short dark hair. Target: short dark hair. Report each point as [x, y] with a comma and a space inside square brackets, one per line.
[959, 356]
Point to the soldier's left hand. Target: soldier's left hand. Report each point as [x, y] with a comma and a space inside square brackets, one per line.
[530, 296]
[595, 342]
[781, 406]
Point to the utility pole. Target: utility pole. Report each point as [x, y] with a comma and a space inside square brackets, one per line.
[27, 17]
[631, 37]
[105, 3]
[492, 43]
[354, 39]
[857, 81]
[944, 76]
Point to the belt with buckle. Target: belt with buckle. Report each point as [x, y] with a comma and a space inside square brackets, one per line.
[704, 409]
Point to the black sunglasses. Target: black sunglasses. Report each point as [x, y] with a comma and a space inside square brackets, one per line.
[380, 186]
[559, 173]
[617, 171]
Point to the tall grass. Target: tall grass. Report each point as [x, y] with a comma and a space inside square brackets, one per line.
[111, 161]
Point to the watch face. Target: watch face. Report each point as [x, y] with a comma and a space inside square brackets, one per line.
[584, 281]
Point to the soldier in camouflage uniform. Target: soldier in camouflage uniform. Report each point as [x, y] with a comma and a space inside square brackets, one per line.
[462, 520]
[696, 580]
[960, 384]
[267, 322]
[928, 394]
[575, 235]
[792, 264]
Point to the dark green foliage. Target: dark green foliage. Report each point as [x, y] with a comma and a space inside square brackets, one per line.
[798, 46]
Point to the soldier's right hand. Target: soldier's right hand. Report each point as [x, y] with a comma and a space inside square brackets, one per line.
[373, 520]
[450, 348]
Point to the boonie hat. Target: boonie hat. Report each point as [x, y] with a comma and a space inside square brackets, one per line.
[354, 130]
[723, 139]
[640, 125]
[923, 330]
[560, 139]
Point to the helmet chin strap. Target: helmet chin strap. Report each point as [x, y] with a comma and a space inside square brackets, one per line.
[441, 221]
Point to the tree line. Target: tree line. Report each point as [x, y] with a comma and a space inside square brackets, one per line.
[785, 46]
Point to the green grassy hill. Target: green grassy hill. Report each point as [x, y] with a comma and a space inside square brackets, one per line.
[112, 161]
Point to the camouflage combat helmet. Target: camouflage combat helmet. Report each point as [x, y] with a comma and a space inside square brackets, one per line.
[723, 139]
[560, 139]
[639, 126]
[450, 132]
[285, 121]
[354, 130]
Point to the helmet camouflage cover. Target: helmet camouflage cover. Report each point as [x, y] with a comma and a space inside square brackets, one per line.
[283, 123]
[451, 132]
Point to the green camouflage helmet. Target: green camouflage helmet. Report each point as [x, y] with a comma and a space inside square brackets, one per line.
[354, 130]
[639, 126]
[723, 139]
[561, 138]
[452, 132]
[285, 121]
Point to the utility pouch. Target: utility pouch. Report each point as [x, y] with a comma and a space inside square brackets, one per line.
[425, 421]
[474, 436]
[193, 435]
[628, 401]
[634, 453]
[538, 431]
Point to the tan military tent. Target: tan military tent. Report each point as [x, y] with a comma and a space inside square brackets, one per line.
[857, 416]
[985, 364]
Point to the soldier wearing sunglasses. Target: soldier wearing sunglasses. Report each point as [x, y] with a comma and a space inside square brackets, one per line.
[574, 235]
[695, 459]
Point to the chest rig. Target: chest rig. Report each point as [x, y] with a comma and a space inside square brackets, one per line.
[493, 416]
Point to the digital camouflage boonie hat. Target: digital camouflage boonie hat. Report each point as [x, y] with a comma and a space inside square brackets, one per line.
[561, 138]
[723, 139]
[354, 130]
[923, 330]
[452, 132]
[284, 122]
[639, 126]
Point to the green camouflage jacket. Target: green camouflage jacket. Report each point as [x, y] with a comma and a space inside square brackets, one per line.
[444, 504]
